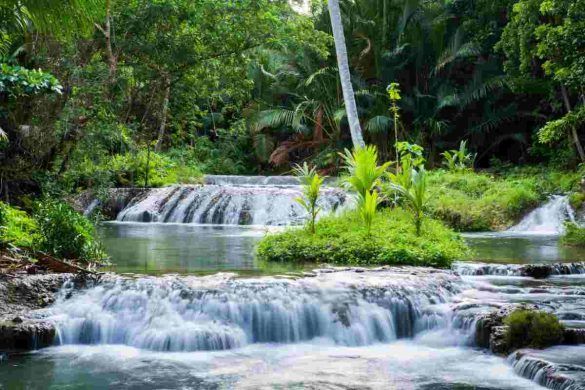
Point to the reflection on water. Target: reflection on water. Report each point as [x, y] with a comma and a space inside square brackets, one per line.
[151, 248]
[518, 248]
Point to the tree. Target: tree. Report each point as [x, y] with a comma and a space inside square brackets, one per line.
[546, 39]
[344, 75]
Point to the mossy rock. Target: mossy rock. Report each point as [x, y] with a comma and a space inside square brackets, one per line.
[532, 328]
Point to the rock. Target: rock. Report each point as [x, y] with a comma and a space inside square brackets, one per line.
[490, 328]
[537, 271]
[498, 344]
[573, 336]
[25, 335]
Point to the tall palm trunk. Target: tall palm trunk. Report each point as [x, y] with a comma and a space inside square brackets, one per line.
[342, 63]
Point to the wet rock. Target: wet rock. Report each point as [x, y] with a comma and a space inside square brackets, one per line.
[572, 336]
[490, 328]
[498, 342]
[25, 335]
[537, 271]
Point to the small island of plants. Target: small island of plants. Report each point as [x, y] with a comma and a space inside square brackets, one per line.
[400, 234]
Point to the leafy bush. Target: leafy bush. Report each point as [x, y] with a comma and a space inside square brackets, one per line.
[67, 234]
[530, 328]
[469, 201]
[344, 240]
[574, 235]
[17, 227]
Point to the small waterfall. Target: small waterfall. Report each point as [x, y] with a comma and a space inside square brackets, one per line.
[220, 312]
[91, 207]
[552, 375]
[547, 219]
[231, 200]
[483, 269]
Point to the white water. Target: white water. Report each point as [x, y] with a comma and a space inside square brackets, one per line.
[231, 200]
[389, 328]
[548, 219]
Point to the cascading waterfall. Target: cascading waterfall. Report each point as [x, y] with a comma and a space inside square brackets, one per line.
[547, 219]
[220, 312]
[232, 200]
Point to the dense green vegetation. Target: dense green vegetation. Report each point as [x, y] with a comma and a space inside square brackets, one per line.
[574, 235]
[253, 86]
[107, 93]
[476, 201]
[530, 328]
[55, 228]
[346, 240]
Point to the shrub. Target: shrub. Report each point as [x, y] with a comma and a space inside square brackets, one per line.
[344, 240]
[64, 233]
[17, 227]
[531, 328]
[574, 235]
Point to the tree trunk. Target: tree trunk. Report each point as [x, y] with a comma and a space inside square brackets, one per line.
[344, 75]
[107, 31]
[164, 114]
[574, 133]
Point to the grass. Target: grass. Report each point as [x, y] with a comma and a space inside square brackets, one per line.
[469, 201]
[344, 240]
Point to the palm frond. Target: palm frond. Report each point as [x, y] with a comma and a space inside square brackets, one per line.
[379, 124]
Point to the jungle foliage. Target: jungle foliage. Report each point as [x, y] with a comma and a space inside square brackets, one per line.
[252, 86]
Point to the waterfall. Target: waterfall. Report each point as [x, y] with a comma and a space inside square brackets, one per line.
[232, 200]
[221, 312]
[547, 219]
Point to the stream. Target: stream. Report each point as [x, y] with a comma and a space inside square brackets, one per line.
[199, 312]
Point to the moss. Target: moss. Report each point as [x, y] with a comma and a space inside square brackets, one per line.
[344, 240]
[574, 235]
[469, 201]
[531, 328]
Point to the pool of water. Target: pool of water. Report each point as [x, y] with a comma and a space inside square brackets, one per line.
[153, 248]
[517, 248]
[156, 248]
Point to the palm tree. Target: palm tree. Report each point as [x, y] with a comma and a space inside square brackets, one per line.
[342, 63]
[58, 17]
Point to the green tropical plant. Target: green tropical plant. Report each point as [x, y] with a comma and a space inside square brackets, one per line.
[415, 196]
[368, 208]
[364, 171]
[460, 159]
[311, 183]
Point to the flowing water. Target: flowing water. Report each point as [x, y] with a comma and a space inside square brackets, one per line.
[231, 200]
[287, 328]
